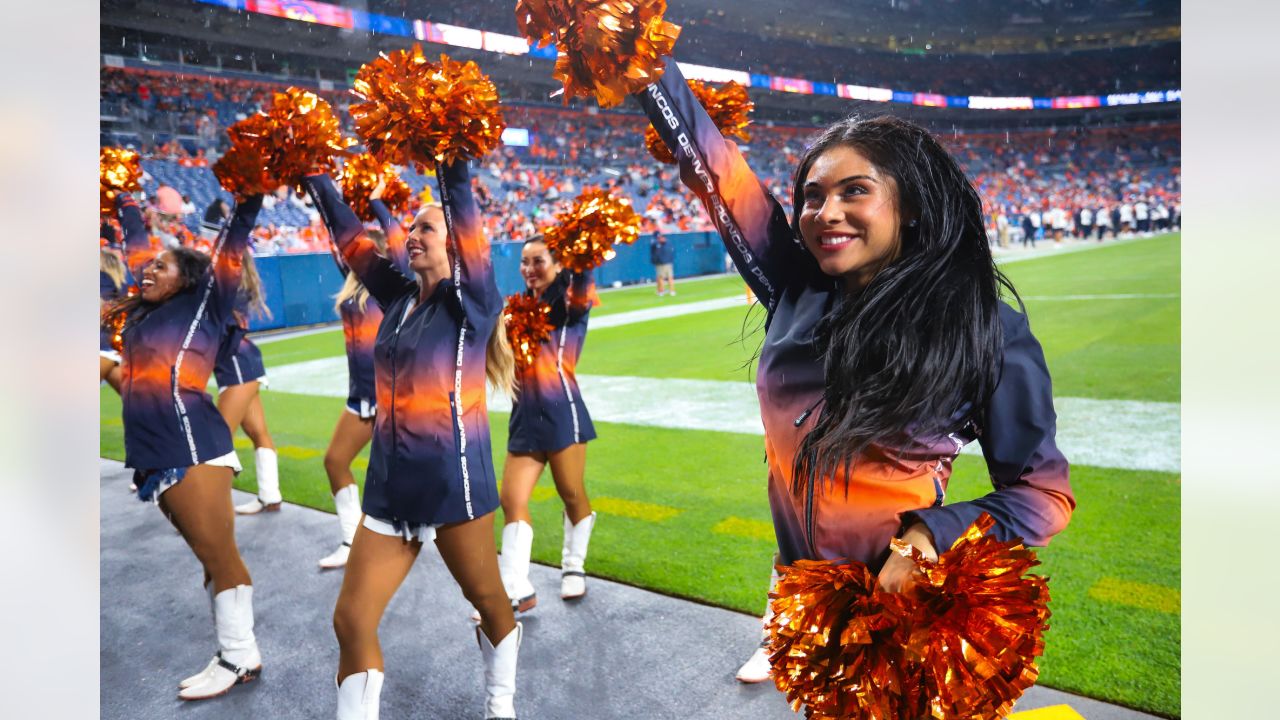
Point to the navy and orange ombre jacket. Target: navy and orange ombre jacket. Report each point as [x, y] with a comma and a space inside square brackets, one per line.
[430, 462]
[170, 349]
[548, 413]
[893, 485]
[360, 325]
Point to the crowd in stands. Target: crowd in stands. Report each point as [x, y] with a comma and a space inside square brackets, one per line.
[1020, 175]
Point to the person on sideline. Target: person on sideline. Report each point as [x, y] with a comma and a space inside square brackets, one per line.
[175, 439]
[549, 425]
[887, 344]
[663, 257]
[430, 475]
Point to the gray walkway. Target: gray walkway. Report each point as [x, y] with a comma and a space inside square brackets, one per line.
[620, 653]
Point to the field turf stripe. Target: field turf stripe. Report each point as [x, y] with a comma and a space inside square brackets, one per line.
[754, 529]
[1136, 594]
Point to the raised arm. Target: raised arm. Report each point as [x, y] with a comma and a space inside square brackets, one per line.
[1032, 499]
[228, 253]
[752, 224]
[137, 245]
[582, 287]
[395, 233]
[474, 270]
[377, 273]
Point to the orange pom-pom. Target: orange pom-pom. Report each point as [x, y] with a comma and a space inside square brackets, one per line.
[296, 136]
[729, 107]
[242, 172]
[973, 626]
[961, 645]
[830, 642]
[361, 174]
[583, 237]
[119, 171]
[528, 326]
[608, 48]
[417, 112]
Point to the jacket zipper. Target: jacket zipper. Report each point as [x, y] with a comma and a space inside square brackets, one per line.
[395, 345]
[808, 518]
[808, 502]
[457, 436]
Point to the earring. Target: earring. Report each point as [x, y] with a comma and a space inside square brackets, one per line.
[913, 223]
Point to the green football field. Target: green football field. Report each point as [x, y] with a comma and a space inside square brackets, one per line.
[684, 512]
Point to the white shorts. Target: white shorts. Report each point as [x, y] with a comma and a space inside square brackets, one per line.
[173, 476]
[421, 532]
[111, 355]
[262, 383]
[362, 408]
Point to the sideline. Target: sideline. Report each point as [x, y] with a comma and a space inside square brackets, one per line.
[1125, 434]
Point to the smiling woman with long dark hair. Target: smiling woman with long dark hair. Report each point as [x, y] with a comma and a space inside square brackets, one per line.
[174, 438]
[888, 346]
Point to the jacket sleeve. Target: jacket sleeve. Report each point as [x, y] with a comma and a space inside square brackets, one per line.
[137, 246]
[752, 224]
[396, 236]
[377, 273]
[582, 287]
[228, 254]
[1032, 497]
[473, 268]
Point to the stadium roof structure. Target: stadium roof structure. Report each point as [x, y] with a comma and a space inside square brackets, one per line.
[973, 26]
[325, 42]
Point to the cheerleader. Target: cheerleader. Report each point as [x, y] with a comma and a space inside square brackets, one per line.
[430, 471]
[175, 440]
[113, 284]
[887, 347]
[360, 321]
[240, 374]
[549, 426]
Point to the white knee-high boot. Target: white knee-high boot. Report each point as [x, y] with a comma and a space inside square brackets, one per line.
[347, 502]
[266, 465]
[358, 696]
[213, 615]
[500, 673]
[573, 556]
[238, 660]
[757, 668]
[517, 545]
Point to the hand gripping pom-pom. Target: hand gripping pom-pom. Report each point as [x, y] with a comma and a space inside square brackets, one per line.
[242, 172]
[583, 237]
[361, 174]
[961, 645]
[421, 113]
[528, 326]
[297, 135]
[119, 171]
[729, 107]
[973, 626]
[607, 48]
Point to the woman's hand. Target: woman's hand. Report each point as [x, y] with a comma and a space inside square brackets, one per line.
[899, 573]
[377, 191]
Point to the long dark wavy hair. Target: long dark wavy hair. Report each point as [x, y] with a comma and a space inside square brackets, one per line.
[918, 350]
[192, 266]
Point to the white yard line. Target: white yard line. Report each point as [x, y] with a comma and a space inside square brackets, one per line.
[1117, 296]
[740, 300]
[669, 311]
[1126, 434]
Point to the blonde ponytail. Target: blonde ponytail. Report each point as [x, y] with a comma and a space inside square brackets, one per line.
[500, 362]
